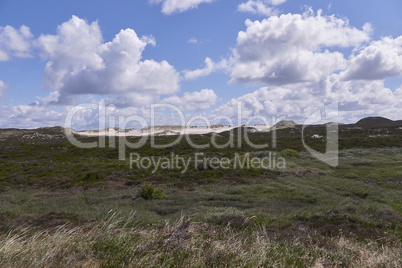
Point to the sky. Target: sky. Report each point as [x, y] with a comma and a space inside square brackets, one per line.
[215, 60]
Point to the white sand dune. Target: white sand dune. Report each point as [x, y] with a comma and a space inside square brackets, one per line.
[178, 130]
[157, 131]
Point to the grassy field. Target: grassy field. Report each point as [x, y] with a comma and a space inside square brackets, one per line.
[65, 206]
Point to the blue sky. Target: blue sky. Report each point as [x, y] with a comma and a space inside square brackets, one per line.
[294, 57]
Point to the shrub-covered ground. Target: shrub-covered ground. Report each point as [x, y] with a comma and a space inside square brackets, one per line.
[65, 206]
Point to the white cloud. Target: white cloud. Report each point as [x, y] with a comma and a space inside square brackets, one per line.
[398, 92]
[196, 41]
[192, 41]
[292, 48]
[80, 65]
[261, 7]
[15, 42]
[195, 101]
[177, 6]
[3, 88]
[210, 67]
[356, 99]
[295, 55]
[257, 7]
[29, 116]
[39, 114]
[53, 97]
[381, 59]
[277, 102]
[276, 2]
[132, 99]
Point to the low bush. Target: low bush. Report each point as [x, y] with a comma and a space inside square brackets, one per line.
[289, 153]
[149, 192]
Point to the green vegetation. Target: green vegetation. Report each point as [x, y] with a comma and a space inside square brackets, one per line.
[289, 153]
[65, 206]
[185, 244]
[149, 192]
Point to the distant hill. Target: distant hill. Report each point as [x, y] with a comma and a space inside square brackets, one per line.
[39, 133]
[285, 124]
[59, 132]
[377, 122]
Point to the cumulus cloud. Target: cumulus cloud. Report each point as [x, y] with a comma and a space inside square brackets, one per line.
[15, 42]
[398, 92]
[29, 116]
[81, 63]
[293, 48]
[3, 88]
[177, 6]
[295, 55]
[262, 7]
[381, 59]
[297, 102]
[356, 98]
[210, 67]
[196, 101]
[277, 102]
[132, 99]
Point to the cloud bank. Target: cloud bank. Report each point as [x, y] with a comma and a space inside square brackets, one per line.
[356, 99]
[194, 101]
[296, 60]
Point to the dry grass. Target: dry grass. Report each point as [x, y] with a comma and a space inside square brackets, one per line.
[184, 244]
